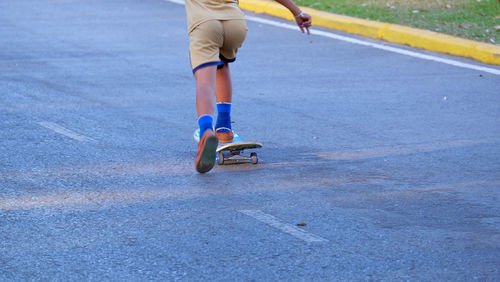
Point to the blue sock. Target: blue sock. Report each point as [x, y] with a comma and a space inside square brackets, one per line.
[206, 122]
[223, 123]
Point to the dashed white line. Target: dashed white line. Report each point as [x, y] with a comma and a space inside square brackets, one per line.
[369, 44]
[66, 132]
[284, 227]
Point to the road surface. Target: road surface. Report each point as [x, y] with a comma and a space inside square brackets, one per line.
[391, 160]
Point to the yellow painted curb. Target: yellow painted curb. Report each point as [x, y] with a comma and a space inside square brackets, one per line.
[429, 40]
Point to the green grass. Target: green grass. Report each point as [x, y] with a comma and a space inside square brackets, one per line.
[472, 19]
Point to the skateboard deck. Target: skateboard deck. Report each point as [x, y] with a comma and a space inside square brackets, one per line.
[231, 153]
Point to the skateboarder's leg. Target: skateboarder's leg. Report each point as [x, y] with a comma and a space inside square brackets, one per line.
[224, 85]
[204, 48]
[205, 97]
[234, 35]
[205, 90]
[224, 97]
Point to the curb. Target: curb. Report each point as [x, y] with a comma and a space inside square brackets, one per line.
[429, 40]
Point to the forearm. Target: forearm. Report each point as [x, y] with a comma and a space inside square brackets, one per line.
[290, 5]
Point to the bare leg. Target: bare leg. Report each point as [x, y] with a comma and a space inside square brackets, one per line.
[205, 90]
[205, 105]
[224, 86]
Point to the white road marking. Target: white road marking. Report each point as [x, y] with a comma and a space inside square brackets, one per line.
[369, 44]
[64, 131]
[287, 228]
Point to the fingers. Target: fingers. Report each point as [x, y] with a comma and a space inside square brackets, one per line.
[304, 21]
[300, 24]
[305, 26]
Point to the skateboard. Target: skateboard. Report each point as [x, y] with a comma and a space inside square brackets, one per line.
[231, 153]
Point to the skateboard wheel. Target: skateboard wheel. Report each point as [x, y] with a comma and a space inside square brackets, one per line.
[254, 158]
[220, 158]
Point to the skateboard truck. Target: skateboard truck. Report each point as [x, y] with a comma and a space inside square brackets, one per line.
[235, 157]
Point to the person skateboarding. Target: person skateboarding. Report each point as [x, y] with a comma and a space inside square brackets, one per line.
[217, 28]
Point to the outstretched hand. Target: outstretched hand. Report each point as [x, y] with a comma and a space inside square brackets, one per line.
[304, 21]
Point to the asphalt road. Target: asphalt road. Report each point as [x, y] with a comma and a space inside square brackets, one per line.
[392, 161]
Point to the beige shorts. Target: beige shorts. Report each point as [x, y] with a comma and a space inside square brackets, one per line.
[216, 42]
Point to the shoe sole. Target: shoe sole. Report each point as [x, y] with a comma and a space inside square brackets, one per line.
[207, 158]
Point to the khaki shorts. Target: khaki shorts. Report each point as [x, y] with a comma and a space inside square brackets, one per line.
[216, 42]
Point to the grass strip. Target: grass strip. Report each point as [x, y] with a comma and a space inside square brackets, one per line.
[471, 19]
